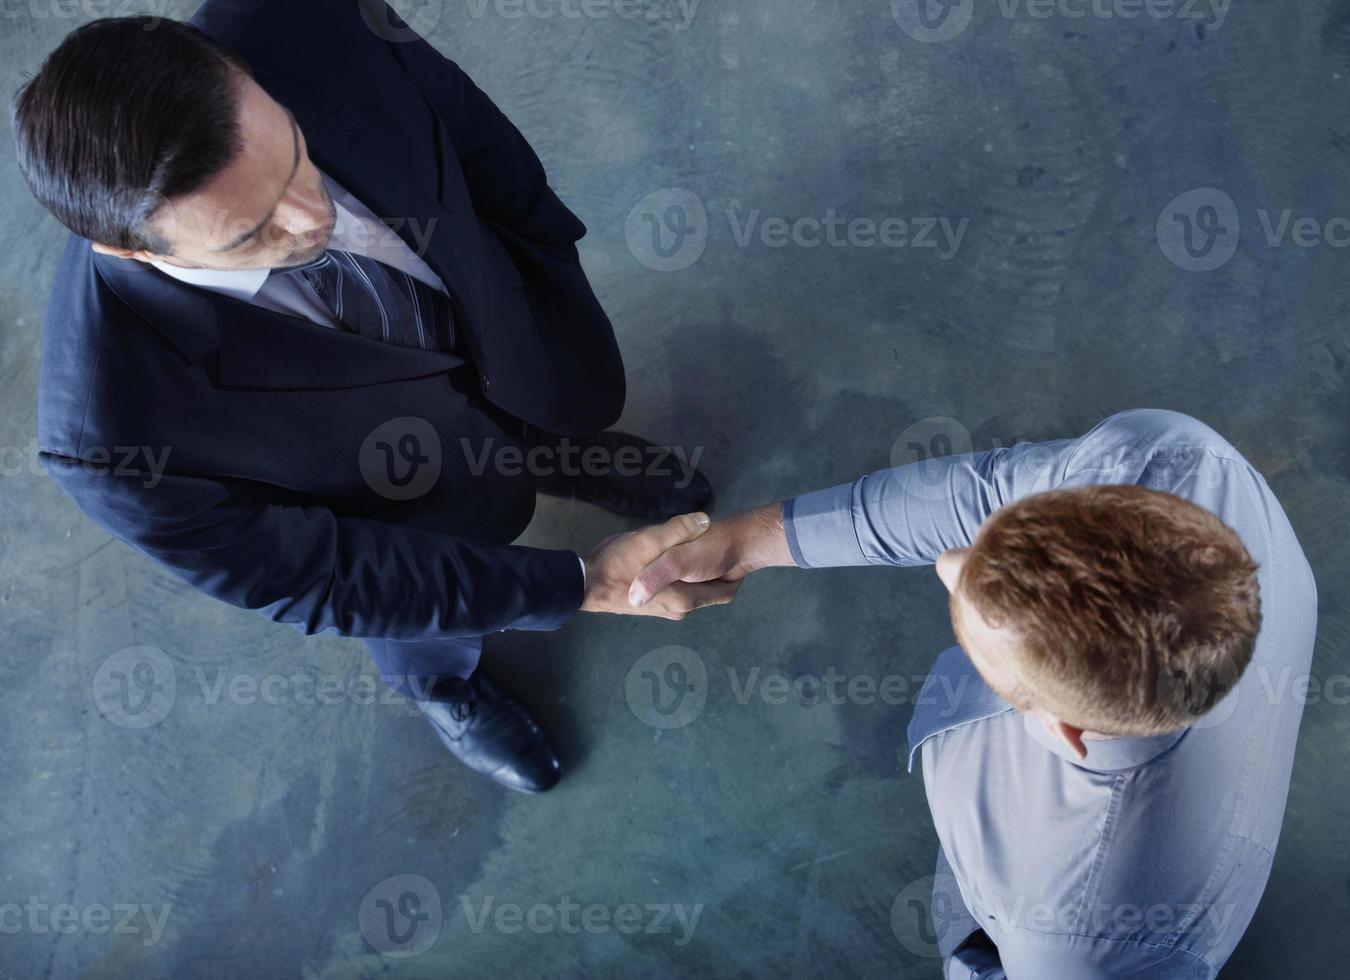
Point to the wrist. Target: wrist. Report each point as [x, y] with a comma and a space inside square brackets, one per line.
[762, 539]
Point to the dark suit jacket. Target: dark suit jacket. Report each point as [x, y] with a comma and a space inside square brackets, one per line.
[263, 416]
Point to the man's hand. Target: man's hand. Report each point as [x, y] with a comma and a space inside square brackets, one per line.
[729, 551]
[616, 562]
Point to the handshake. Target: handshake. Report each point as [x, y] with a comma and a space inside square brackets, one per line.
[689, 562]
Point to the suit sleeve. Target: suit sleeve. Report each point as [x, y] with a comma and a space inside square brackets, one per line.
[505, 178]
[263, 548]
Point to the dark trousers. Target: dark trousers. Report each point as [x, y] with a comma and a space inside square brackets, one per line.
[411, 667]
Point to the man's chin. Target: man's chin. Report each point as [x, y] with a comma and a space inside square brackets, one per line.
[297, 259]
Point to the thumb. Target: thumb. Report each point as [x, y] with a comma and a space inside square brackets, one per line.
[661, 573]
[663, 566]
[661, 538]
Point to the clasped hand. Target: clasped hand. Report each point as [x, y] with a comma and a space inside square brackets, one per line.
[689, 562]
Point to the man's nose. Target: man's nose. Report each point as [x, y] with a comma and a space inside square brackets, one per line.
[301, 212]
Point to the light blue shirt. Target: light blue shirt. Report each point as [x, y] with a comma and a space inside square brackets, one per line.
[1148, 858]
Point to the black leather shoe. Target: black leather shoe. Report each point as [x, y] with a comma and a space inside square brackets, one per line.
[623, 474]
[491, 732]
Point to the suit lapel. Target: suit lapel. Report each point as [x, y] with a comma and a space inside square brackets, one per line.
[255, 347]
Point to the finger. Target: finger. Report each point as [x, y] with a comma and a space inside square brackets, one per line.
[682, 598]
[661, 538]
[656, 576]
[717, 593]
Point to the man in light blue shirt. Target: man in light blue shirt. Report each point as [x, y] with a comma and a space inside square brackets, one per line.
[1108, 802]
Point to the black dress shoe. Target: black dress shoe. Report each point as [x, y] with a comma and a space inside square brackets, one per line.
[623, 474]
[490, 732]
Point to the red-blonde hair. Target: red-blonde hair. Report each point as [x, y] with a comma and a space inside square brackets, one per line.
[1135, 610]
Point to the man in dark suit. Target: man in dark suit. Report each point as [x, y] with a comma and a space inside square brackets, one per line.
[319, 335]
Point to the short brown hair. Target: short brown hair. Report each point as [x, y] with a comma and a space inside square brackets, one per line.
[1135, 610]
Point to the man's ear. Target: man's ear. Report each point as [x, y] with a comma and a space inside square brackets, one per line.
[1068, 734]
[114, 250]
[949, 564]
[140, 254]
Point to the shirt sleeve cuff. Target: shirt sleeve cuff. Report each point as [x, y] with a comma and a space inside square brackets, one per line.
[819, 528]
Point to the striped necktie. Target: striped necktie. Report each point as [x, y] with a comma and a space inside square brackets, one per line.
[378, 301]
[953, 695]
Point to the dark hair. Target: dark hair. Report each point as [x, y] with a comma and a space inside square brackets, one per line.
[128, 113]
[1136, 610]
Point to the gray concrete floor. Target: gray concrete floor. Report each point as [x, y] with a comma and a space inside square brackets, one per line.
[255, 830]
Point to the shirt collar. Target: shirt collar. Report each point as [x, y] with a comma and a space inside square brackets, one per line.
[1106, 754]
[239, 283]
